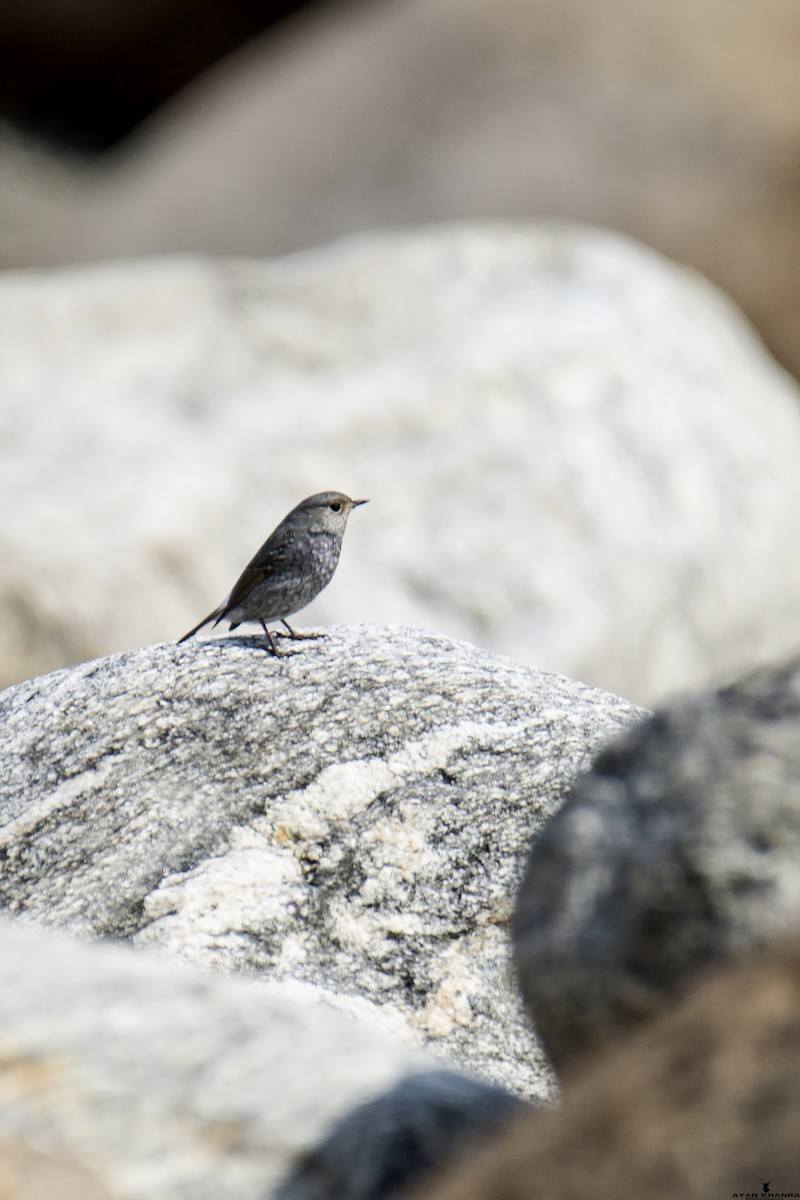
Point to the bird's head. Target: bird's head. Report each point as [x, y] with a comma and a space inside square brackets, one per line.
[327, 511]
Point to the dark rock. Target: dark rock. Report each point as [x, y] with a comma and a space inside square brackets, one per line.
[679, 847]
[703, 1103]
[389, 1144]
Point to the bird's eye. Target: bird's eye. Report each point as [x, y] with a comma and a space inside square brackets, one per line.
[335, 506]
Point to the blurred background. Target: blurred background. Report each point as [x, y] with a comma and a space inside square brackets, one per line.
[148, 129]
[257, 128]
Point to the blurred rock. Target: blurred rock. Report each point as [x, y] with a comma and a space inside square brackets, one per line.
[352, 818]
[37, 185]
[389, 1143]
[679, 847]
[26, 1173]
[168, 1083]
[703, 1103]
[676, 124]
[576, 453]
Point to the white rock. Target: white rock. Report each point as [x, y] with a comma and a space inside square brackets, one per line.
[576, 452]
[170, 1084]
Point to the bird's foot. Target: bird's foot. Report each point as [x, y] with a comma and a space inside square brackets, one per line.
[271, 648]
[299, 637]
[274, 652]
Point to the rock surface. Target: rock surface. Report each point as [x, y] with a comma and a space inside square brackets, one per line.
[704, 1103]
[139, 1079]
[352, 818]
[679, 847]
[28, 1173]
[576, 453]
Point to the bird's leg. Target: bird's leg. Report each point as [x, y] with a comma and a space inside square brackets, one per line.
[272, 648]
[301, 637]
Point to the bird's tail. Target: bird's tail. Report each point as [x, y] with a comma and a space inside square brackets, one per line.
[213, 616]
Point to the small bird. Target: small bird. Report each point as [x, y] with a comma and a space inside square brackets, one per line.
[292, 567]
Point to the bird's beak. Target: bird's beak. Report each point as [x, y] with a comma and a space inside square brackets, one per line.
[357, 502]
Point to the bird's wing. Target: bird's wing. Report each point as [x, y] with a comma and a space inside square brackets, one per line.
[266, 562]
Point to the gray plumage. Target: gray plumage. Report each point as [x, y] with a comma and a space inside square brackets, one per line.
[292, 567]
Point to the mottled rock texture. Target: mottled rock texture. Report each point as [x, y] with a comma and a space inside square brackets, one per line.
[353, 817]
[130, 1077]
[681, 846]
[703, 1103]
[576, 453]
